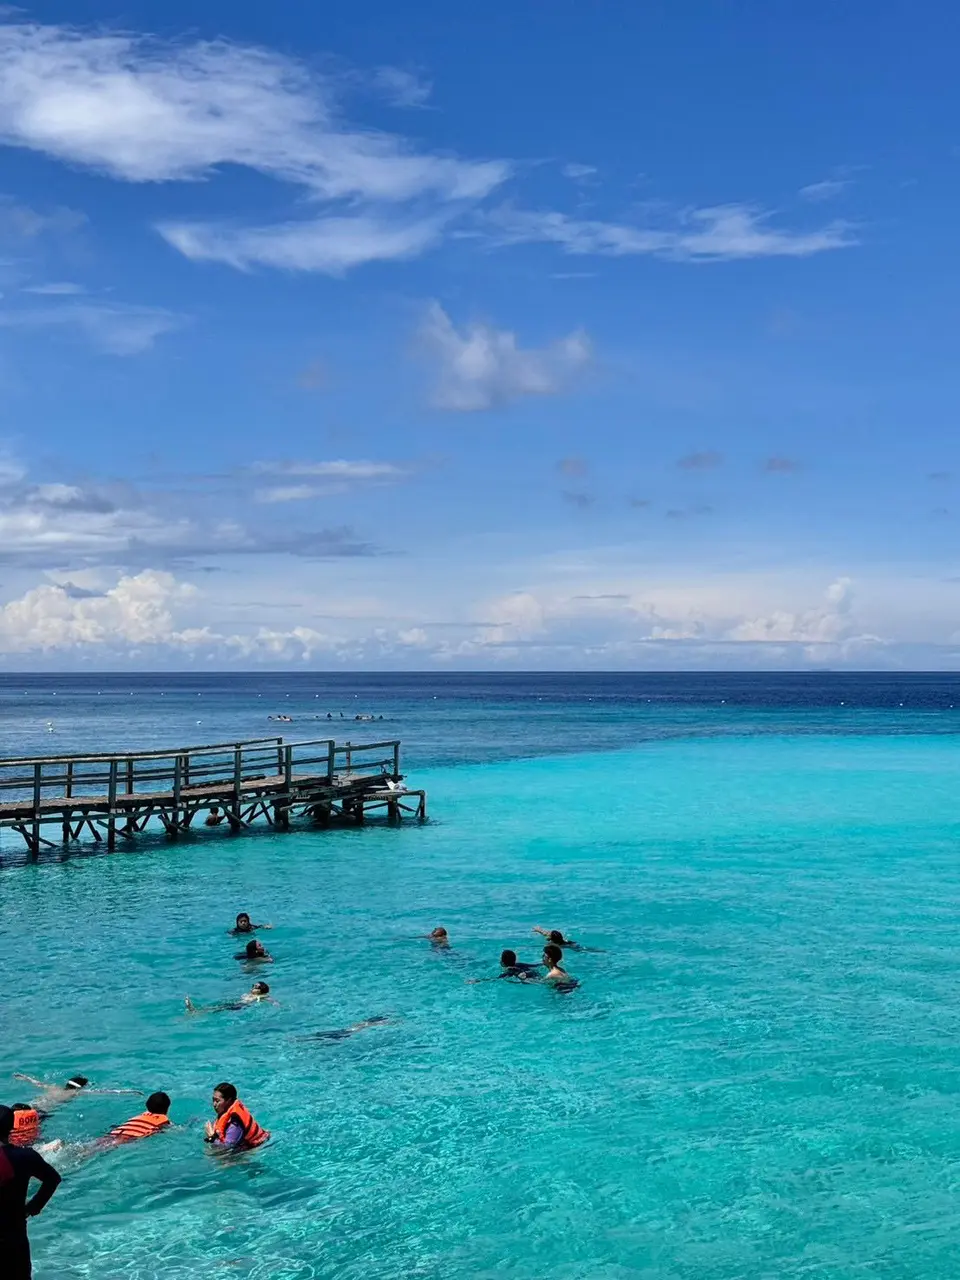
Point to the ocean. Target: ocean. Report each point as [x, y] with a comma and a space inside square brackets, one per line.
[756, 1077]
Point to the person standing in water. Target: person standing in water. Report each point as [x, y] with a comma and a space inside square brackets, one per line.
[234, 1128]
[18, 1166]
[254, 951]
[556, 974]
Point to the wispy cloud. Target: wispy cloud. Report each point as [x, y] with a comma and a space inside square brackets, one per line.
[338, 469]
[573, 466]
[402, 88]
[55, 289]
[829, 189]
[708, 460]
[578, 498]
[579, 172]
[716, 234]
[778, 465]
[112, 328]
[145, 110]
[485, 368]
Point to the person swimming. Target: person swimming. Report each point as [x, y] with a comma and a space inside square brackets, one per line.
[255, 952]
[556, 974]
[259, 991]
[343, 1033]
[55, 1095]
[245, 925]
[511, 967]
[439, 937]
[558, 940]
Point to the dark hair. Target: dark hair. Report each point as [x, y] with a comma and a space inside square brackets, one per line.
[252, 947]
[77, 1082]
[241, 915]
[226, 1091]
[556, 937]
[553, 953]
[261, 988]
[21, 1106]
[6, 1122]
[508, 957]
[439, 932]
[159, 1103]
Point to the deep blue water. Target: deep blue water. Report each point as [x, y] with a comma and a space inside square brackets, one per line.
[757, 1076]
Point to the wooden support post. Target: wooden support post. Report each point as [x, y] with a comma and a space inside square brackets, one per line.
[236, 823]
[331, 759]
[34, 842]
[349, 764]
[112, 808]
[396, 760]
[393, 811]
[179, 764]
[287, 769]
[68, 792]
[130, 777]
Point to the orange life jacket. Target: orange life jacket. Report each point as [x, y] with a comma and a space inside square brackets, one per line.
[253, 1135]
[140, 1126]
[26, 1128]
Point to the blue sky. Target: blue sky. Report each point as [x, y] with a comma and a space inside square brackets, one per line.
[527, 336]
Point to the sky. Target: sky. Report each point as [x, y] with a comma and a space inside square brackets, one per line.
[516, 336]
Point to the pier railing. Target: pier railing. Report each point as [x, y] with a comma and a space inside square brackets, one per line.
[117, 779]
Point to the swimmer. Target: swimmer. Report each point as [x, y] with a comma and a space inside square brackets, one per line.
[55, 1095]
[343, 1033]
[144, 1125]
[214, 817]
[255, 951]
[557, 938]
[245, 925]
[234, 1128]
[258, 992]
[556, 974]
[511, 967]
[439, 937]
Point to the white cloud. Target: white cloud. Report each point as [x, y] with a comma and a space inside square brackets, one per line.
[720, 233]
[818, 192]
[483, 367]
[579, 172]
[402, 88]
[112, 328]
[338, 469]
[330, 245]
[145, 110]
[55, 289]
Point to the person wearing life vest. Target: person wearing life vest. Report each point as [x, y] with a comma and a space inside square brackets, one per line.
[234, 1128]
[18, 1167]
[144, 1125]
[26, 1124]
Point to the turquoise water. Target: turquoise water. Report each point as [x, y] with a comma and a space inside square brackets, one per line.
[757, 1077]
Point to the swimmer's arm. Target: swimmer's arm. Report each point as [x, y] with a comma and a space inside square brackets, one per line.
[139, 1093]
[18, 1075]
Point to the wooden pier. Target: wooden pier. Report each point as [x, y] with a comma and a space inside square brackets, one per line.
[106, 798]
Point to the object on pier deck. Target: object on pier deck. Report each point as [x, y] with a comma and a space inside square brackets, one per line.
[117, 795]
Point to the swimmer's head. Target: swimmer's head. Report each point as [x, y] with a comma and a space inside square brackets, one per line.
[552, 953]
[439, 934]
[556, 937]
[224, 1096]
[243, 920]
[260, 989]
[159, 1103]
[77, 1082]
[508, 959]
[6, 1122]
[255, 949]
[21, 1106]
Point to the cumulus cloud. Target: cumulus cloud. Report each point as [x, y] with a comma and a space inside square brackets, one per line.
[715, 234]
[485, 368]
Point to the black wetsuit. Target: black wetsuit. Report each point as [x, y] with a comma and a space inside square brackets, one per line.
[17, 1166]
[522, 970]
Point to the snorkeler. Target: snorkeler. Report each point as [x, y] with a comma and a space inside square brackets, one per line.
[254, 951]
[343, 1033]
[511, 967]
[245, 924]
[556, 974]
[234, 1128]
[55, 1095]
[258, 992]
